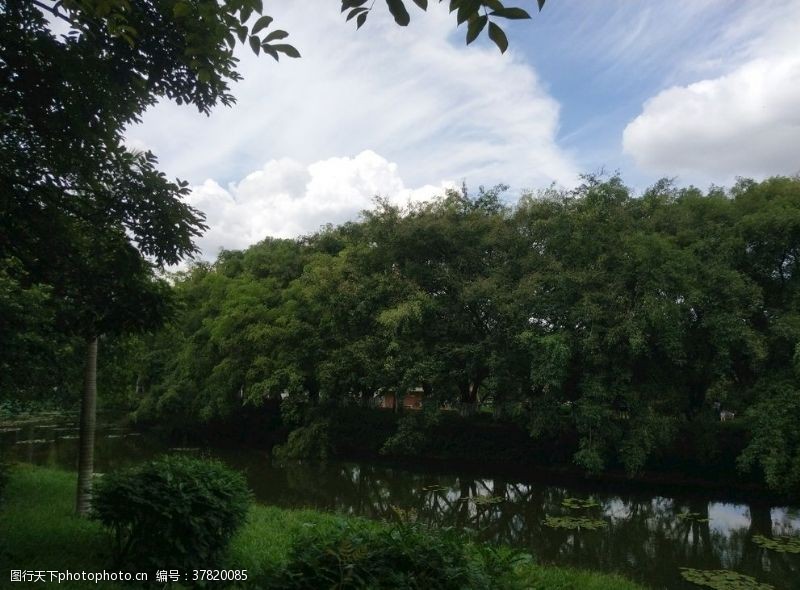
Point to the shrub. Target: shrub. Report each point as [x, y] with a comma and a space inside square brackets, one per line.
[402, 556]
[173, 512]
[413, 435]
[306, 442]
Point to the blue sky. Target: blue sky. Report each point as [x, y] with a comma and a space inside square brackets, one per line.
[700, 90]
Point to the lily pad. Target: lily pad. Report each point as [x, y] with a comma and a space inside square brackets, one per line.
[482, 500]
[487, 499]
[779, 544]
[693, 517]
[723, 580]
[574, 522]
[579, 503]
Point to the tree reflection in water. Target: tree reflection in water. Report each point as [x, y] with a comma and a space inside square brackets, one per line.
[645, 538]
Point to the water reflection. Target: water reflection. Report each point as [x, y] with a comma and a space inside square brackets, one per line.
[647, 537]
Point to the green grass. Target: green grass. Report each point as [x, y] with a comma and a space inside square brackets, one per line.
[40, 532]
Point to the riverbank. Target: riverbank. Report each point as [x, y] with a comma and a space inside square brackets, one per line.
[703, 455]
[40, 532]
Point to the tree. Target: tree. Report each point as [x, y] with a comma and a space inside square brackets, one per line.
[76, 202]
[83, 215]
[475, 13]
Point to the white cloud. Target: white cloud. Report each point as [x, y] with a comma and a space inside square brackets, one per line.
[286, 198]
[416, 95]
[744, 121]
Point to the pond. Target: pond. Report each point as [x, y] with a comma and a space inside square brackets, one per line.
[641, 534]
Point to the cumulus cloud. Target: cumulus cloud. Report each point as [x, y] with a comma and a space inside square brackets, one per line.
[415, 95]
[744, 121]
[286, 198]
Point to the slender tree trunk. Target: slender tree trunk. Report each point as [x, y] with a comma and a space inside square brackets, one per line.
[87, 430]
[469, 398]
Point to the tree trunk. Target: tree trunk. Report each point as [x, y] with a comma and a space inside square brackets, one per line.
[469, 398]
[87, 430]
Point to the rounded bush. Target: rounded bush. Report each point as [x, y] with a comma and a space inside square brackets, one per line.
[174, 512]
[391, 557]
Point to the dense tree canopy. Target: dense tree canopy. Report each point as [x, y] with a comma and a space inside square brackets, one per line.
[613, 317]
[592, 311]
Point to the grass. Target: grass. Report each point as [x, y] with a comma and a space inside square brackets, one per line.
[40, 532]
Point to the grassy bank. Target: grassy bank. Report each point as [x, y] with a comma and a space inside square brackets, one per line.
[40, 532]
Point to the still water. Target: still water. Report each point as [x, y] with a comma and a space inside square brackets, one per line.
[646, 536]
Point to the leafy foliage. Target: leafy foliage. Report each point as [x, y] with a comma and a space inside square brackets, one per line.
[483, 500]
[779, 544]
[722, 580]
[177, 512]
[692, 517]
[306, 442]
[610, 320]
[404, 555]
[579, 503]
[475, 13]
[574, 522]
[413, 433]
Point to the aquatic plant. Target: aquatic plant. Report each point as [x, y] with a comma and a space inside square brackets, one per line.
[579, 503]
[779, 544]
[693, 517]
[574, 522]
[482, 500]
[723, 580]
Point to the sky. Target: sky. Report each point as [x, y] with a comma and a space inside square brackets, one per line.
[702, 91]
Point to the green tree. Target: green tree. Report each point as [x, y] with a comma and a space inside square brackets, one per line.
[82, 213]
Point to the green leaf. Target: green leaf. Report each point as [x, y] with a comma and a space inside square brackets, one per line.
[475, 27]
[245, 13]
[541, 4]
[181, 9]
[362, 18]
[257, 5]
[497, 35]
[287, 49]
[255, 44]
[262, 23]
[241, 32]
[511, 13]
[399, 12]
[352, 4]
[423, 4]
[275, 36]
[268, 49]
[467, 10]
[355, 12]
